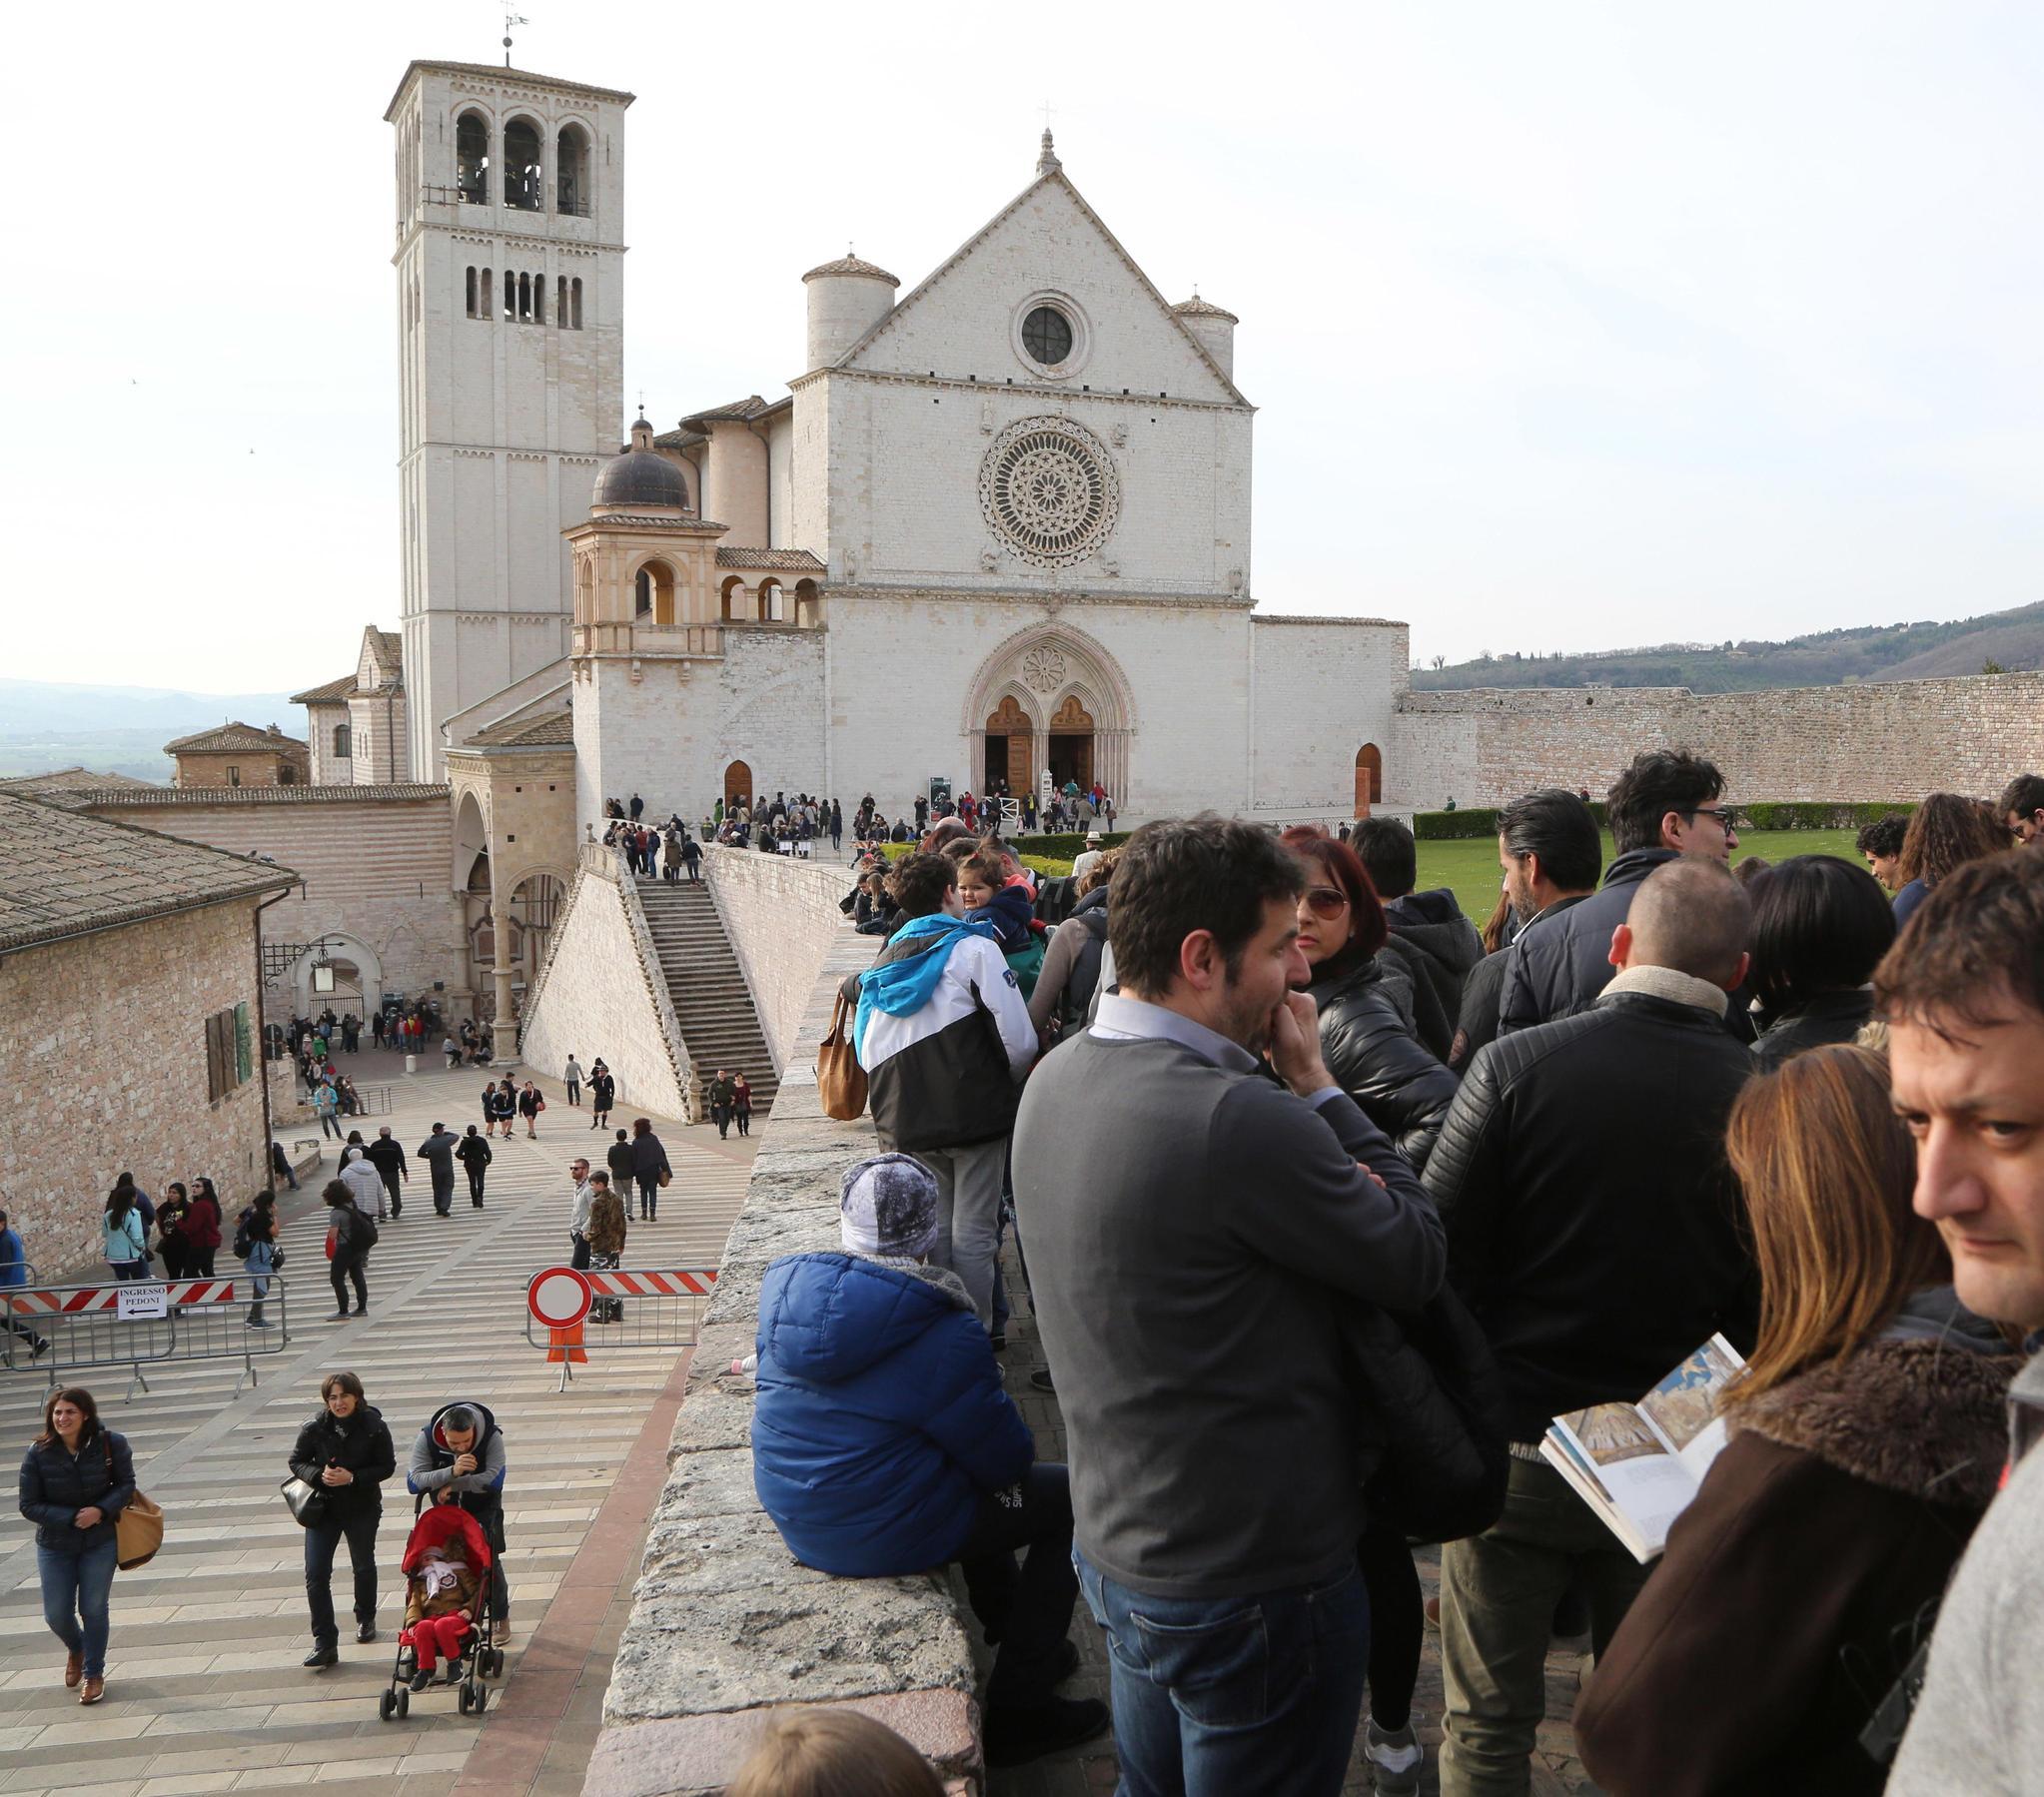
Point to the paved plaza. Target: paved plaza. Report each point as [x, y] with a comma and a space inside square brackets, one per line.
[204, 1687]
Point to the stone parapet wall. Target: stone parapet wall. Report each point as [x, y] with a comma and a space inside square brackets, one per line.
[782, 918]
[602, 994]
[1862, 743]
[104, 1040]
[725, 1624]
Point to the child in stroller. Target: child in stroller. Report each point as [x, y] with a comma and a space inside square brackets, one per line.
[446, 1572]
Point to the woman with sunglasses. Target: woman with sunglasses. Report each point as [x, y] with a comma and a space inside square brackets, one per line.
[1367, 1039]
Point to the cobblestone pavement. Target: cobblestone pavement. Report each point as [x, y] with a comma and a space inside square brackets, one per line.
[204, 1687]
[1092, 1769]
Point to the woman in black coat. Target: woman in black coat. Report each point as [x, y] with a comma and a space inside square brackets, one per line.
[345, 1455]
[1365, 1037]
[649, 1162]
[76, 1477]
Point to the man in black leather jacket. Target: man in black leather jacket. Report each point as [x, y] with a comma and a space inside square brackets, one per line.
[1667, 803]
[1593, 1228]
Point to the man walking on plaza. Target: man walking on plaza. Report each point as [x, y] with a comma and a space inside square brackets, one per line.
[474, 1152]
[1962, 990]
[579, 1212]
[618, 1157]
[1593, 1228]
[572, 1074]
[602, 1088]
[719, 1096]
[438, 1152]
[387, 1155]
[359, 1175]
[1195, 1230]
[1667, 803]
[945, 1038]
[458, 1457]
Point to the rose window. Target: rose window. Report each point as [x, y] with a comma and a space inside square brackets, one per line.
[1049, 490]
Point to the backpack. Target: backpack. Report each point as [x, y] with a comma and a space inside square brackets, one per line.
[244, 1241]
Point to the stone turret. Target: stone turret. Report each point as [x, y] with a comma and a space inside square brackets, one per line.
[848, 297]
[1214, 328]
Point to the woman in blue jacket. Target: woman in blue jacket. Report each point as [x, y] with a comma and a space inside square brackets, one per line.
[883, 1443]
[76, 1477]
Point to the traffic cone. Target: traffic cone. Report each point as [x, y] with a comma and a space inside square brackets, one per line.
[566, 1345]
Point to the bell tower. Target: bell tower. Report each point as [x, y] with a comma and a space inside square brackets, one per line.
[509, 257]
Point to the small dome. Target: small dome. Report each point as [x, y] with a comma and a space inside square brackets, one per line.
[641, 478]
[850, 265]
[1196, 308]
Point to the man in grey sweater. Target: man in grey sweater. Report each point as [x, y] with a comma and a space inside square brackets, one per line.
[1194, 1228]
[1963, 995]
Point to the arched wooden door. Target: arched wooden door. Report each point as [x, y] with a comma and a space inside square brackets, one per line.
[1009, 735]
[738, 785]
[1369, 778]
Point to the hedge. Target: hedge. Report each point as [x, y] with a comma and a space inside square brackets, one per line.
[1762, 814]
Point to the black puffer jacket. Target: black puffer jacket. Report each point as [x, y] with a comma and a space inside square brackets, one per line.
[1594, 1225]
[1369, 1051]
[1828, 1017]
[56, 1485]
[360, 1444]
[1438, 946]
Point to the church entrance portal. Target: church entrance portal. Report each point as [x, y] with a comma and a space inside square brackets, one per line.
[1008, 737]
[737, 785]
[1071, 746]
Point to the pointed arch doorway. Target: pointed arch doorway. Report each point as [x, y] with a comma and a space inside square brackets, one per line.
[1070, 756]
[1010, 748]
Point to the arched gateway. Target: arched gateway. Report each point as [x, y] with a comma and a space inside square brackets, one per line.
[1051, 696]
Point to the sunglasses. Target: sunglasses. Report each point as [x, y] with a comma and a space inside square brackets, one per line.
[1325, 901]
[1726, 815]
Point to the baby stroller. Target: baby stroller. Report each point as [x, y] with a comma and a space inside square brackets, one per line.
[447, 1591]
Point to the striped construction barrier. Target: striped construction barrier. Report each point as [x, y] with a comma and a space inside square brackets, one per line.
[675, 1283]
[571, 1310]
[179, 1294]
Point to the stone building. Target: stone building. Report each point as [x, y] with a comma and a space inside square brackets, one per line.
[130, 1021]
[238, 754]
[358, 725]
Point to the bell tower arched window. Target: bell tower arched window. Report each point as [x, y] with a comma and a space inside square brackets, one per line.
[472, 158]
[572, 172]
[525, 181]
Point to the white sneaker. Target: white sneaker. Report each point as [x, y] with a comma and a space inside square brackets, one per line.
[1395, 1759]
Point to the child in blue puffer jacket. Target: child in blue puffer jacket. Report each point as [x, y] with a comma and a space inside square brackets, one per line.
[883, 1443]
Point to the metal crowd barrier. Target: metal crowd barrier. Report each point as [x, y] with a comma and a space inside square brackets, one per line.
[140, 1322]
[628, 1308]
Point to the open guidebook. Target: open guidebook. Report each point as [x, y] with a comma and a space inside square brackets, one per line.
[1638, 1465]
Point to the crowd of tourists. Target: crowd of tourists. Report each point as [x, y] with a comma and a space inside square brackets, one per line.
[1330, 1201]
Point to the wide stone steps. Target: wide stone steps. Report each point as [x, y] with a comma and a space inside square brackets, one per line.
[706, 986]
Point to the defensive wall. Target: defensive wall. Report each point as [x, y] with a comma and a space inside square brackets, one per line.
[725, 1622]
[1862, 743]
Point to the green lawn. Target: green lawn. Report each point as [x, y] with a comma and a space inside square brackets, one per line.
[1470, 868]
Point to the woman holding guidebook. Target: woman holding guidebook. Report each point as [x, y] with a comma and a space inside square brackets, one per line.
[1864, 1442]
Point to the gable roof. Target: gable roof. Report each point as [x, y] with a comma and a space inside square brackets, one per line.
[76, 779]
[91, 873]
[330, 694]
[1051, 174]
[232, 739]
[552, 729]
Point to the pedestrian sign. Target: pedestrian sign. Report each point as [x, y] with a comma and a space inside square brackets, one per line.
[135, 1299]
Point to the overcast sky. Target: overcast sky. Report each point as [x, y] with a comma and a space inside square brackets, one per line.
[1571, 326]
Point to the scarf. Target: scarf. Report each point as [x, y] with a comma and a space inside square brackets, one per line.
[901, 988]
[1677, 987]
[439, 1575]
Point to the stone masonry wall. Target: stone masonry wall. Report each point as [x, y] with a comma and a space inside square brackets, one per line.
[1868, 742]
[782, 918]
[725, 1622]
[103, 1081]
[598, 996]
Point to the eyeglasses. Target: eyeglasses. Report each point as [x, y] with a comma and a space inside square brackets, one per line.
[1726, 815]
[1325, 901]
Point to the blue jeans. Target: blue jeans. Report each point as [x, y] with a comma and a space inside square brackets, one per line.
[1227, 1697]
[75, 1590]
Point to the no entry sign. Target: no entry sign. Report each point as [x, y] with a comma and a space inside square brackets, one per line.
[557, 1298]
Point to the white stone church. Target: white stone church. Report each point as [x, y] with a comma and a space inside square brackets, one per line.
[998, 528]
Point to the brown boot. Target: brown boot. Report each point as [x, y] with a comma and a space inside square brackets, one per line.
[74, 1670]
[95, 1689]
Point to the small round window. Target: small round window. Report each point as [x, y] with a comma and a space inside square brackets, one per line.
[1047, 336]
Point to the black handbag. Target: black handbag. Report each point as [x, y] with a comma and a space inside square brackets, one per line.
[1437, 1413]
[307, 1504]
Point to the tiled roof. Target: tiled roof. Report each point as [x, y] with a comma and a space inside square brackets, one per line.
[75, 779]
[679, 440]
[330, 694]
[798, 560]
[118, 797]
[228, 740]
[851, 265]
[89, 873]
[554, 730]
[390, 647]
[1196, 308]
[738, 412]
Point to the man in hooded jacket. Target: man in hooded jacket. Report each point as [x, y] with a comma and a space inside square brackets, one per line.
[458, 1457]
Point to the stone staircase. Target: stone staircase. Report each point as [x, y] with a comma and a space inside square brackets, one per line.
[707, 987]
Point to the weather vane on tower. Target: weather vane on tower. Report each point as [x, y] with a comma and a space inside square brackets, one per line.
[512, 19]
